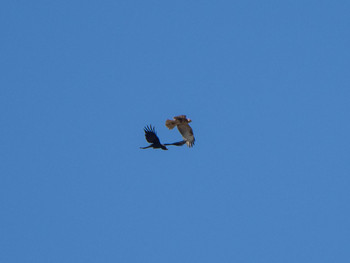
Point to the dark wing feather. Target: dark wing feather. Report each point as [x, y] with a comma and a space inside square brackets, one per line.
[180, 143]
[151, 135]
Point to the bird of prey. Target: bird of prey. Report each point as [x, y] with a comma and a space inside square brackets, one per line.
[182, 125]
[152, 138]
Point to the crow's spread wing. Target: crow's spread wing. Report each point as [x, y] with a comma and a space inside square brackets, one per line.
[180, 143]
[151, 135]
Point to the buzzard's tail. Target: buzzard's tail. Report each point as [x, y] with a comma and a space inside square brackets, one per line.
[170, 124]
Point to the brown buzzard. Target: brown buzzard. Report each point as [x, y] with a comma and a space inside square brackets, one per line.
[182, 125]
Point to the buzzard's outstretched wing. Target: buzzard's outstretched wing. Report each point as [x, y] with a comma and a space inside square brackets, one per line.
[187, 134]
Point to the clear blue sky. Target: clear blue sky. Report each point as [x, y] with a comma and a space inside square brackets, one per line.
[267, 86]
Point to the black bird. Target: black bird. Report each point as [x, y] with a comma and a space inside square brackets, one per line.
[151, 137]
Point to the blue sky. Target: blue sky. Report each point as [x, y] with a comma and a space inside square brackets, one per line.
[267, 86]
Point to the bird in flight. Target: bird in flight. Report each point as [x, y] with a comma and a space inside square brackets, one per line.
[152, 138]
[182, 125]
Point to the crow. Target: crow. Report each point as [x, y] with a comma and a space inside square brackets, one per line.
[151, 137]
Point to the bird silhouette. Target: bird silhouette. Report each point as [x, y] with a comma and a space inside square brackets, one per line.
[152, 138]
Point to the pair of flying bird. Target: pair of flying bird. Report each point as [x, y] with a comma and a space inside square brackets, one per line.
[181, 122]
